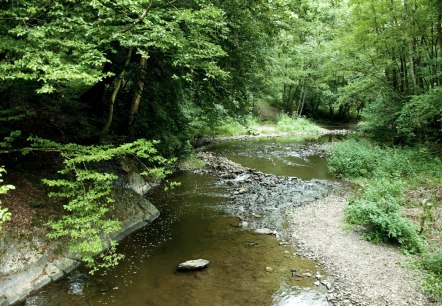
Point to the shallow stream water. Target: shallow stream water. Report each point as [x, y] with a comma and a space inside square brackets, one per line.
[198, 220]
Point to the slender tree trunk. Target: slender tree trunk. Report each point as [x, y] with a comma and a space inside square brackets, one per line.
[359, 110]
[118, 82]
[412, 66]
[139, 91]
[301, 100]
[411, 49]
[331, 111]
[301, 109]
[439, 40]
[404, 74]
[289, 104]
[293, 98]
[317, 104]
[439, 33]
[394, 74]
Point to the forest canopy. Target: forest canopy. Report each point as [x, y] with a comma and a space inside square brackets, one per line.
[169, 69]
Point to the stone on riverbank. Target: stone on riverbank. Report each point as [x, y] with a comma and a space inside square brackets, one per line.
[265, 231]
[193, 265]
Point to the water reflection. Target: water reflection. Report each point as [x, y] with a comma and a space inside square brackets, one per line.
[280, 156]
[192, 225]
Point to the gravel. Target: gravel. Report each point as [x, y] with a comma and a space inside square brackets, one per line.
[364, 273]
[359, 272]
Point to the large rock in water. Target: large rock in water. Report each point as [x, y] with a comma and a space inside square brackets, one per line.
[192, 265]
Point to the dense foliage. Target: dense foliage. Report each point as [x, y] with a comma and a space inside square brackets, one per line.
[90, 80]
[337, 58]
[132, 69]
[169, 70]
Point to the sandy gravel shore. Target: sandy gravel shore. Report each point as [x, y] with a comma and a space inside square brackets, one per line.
[364, 273]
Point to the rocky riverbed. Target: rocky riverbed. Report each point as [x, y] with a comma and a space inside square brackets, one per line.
[264, 203]
[262, 200]
[360, 273]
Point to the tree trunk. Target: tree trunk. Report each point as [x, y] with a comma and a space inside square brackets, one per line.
[301, 100]
[439, 32]
[284, 96]
[412, 66]
[404, 75]
[289, 104]
[411, 50]
[292, 100]
[439, 39]
[118, 82]
[331, 111]
[139, 91]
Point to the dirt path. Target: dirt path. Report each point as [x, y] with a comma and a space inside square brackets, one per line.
[365, 273]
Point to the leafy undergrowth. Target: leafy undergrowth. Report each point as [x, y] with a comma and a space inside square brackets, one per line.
[296, 124]
[433, 282]
[256, 126]
[192, 162]
[399, 202]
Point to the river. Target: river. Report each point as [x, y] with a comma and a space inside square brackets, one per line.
[201, 218]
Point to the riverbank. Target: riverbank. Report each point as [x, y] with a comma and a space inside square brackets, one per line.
[271, 132]
[30, 262]
[360, 272]
[365, 273]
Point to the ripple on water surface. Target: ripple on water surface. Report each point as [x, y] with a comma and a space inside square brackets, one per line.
[245, 269]
[279, 156]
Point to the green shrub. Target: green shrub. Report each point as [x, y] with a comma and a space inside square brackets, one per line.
[286, 123]
[433, 281]
[378, 210]
[433, 263]
[421, 117]
[192, 162]
[248, 125]
[230, 128]
[5, 215]
[363, 159]
[354, 159]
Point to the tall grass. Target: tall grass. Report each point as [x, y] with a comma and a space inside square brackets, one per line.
[287, 123]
